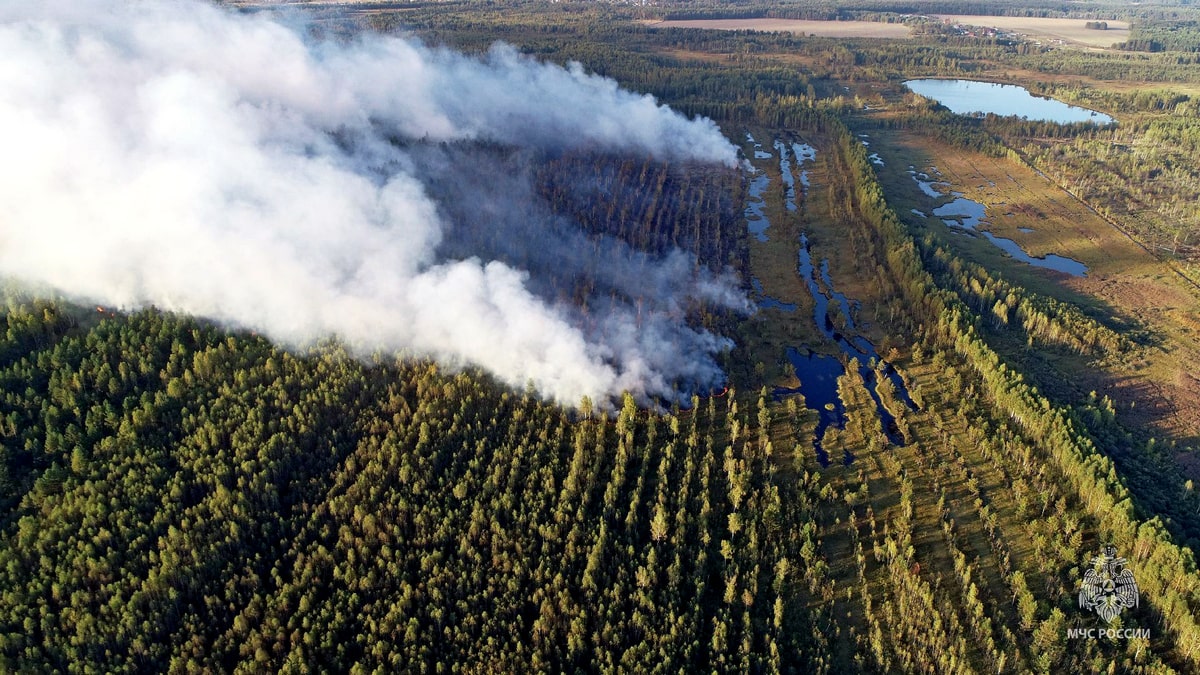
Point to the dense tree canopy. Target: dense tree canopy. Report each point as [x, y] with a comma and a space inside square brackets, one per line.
[177, 496]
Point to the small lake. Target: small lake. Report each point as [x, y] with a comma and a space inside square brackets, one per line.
[970, 97]
[962, 212]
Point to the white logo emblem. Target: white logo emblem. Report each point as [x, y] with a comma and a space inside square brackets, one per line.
[1108, 587]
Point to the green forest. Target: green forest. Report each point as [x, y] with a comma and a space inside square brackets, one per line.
[181, 496]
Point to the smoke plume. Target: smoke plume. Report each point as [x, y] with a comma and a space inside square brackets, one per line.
[176, 154]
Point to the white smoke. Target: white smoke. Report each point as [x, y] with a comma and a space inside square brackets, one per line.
[175, 154]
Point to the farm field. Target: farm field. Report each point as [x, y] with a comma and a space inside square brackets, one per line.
[1070, 31]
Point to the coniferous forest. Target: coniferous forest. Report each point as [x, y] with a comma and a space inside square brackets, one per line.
[182, 495]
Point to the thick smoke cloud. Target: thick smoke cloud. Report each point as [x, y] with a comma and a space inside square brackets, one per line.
[178, 155]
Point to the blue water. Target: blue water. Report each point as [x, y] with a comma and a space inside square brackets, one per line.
[967, 214]
[759, 153]
[962, 211]
[818, 374]
[856, 349]
[842, 300]
[926, 183]
[756, 221]
[1053, 262]
[969, 97]
[820, 300]
[804, 153]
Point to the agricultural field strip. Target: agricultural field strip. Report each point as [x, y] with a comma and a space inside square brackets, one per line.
[1069, 30]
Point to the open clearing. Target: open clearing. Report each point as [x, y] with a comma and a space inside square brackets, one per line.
[1158, 388]
[1072, 31]
[771, 331]
[841, 29]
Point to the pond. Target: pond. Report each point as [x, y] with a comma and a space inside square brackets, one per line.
[961, 211]
[818, 373]
[970, 97]
[1052, 261]
[966, 215]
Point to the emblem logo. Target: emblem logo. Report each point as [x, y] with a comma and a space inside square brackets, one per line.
[1108, 588]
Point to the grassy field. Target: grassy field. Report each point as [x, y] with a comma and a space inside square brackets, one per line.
[1068, 31]
[867, 508]
[868, 29]
[1125, 285]
[774, 263]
